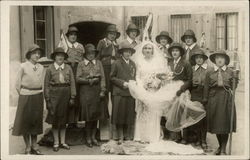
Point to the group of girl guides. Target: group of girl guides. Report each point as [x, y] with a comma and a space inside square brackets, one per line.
[77, 85]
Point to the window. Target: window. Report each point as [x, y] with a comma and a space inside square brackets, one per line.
[43, 28]
[140, 22]
[179, 24]
[226, 31]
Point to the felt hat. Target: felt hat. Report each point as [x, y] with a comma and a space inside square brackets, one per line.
[112, 28]
[57, 51]
[132, 27]
[176, 45]
[188, 32]
[125, 45]
[164, 34]
[198, 52]
[221, 53]
[90, 48]
[31, 49]
[71, 29]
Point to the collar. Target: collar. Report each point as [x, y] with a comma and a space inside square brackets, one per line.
[86, 61]
[126, 61]
[204, 65]
[190, 47]
[107, 40]
[223, 68]
[177, 61]
[161, 46]
[130, 40]
[57, 66]
[72, 44]
[33, 65]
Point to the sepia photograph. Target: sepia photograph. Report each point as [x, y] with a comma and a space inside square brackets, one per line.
[125, 79]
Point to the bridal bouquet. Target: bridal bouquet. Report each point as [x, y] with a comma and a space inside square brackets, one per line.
[156, 80]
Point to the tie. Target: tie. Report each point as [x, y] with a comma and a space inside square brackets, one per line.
[134, 44]
[200, 72]
[73, 46]
[113, 50]
[175, 64]
[187, 54]
[61, 77]
[220, 78]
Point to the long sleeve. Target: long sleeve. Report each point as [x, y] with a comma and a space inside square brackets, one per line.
[103, 80]
[47, 85]
[113, 76]
[72, 84]
[19, 80]
[189, 73]
[79, 78]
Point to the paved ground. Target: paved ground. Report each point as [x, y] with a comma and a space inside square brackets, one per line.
[17, 144]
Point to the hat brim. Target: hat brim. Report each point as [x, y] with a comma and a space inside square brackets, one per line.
[205, 57]
[182, 51]
[183, 38]
[54, 54]
[118, 34]
[212, 57]
[67, 34]
[137, 30]
[27, 55]
[120, 51]
[170, 40]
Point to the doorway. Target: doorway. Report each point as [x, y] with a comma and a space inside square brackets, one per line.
[91, 31]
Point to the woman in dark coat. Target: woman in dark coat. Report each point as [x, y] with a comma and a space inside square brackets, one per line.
[59, 92]
[90, 77]
[218, 91]
[29, 115]
[123, 113]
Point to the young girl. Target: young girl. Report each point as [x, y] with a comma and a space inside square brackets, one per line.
[200, 71]
[218, 87]
[59, 92]
[29, 114]
[91, 79]
[182, 71]
[123, 113]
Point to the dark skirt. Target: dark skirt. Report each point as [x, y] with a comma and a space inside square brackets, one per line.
[107, 70]
[92, 107]
[123, 111]
[59, 97]
[29, 115]
[219, 111]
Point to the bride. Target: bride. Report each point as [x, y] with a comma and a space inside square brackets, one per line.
[155, 93]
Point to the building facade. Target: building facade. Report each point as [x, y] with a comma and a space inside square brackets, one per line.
[220, 27]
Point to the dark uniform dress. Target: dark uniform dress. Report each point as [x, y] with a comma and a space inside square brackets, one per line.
[92, 107]
[219, 104]
[75, 53]
[58, 93]
[29, 114]
[123, 112]
[181, 71]
[197, 94]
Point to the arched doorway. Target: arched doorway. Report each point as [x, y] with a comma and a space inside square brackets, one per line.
[91, 31]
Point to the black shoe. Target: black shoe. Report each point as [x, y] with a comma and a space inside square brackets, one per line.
[204, 145]
[65, 146]
[217, 152]
[89, 143]
[95, 142]
[183, 141]
[223, 153]
[35, 151]
[56, 147]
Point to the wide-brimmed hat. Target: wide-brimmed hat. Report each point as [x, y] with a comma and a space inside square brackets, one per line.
[188, 32]
[90, 48]
[125, 45]
[132, 27]
[57, 51]
[112, 28]
[71, 29]
[164, 34]
[222, 53]
[198, 52]
[176, 45]
[31, 49]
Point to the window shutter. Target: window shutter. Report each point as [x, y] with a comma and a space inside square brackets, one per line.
[27, 29]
